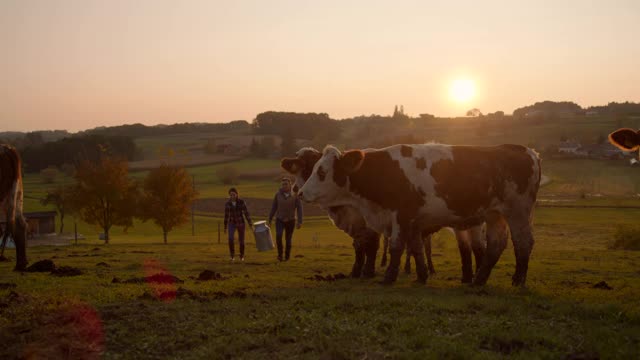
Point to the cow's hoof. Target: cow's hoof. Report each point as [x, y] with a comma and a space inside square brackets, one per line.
[420, 281]
[389, 278]
[466, 280]
[432, 272]
[518, 280]
[368, 275]
[355, 274]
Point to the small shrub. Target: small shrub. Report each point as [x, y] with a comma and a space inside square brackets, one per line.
[626, 237]
[228, 174]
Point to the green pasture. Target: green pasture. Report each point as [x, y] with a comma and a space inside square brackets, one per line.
[263, 308]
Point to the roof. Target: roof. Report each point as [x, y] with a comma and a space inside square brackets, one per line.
[40, 214]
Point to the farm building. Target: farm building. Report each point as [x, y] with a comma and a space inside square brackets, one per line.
[39, 223]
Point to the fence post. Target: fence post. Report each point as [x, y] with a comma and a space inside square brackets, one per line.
[193, 225]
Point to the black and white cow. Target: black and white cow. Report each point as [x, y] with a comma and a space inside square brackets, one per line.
[403, 190]
[365, 240]
[11, 200]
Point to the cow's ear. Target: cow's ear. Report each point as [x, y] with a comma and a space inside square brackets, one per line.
[292, 165]
[351, 161]
[625, 139]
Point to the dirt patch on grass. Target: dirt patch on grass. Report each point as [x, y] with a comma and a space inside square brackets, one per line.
[66, 271]
[42, 266]
[602, 285]
[208, 275]
[329, 278]
[159, 278]
[502, 346]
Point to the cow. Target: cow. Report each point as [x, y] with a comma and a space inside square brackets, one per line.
[365, 240]
[11, 199]
[625, 139]
[469, 240]
[403, 190]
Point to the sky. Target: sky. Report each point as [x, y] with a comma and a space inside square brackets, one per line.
[79, 64]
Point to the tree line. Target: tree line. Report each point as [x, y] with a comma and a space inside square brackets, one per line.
[105, 196]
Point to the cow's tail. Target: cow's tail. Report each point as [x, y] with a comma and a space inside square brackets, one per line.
[537, 176]
[14, 199]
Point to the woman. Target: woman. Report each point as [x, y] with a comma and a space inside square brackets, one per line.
[235, 211]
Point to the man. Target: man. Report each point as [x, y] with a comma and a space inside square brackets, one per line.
[235, 210]
[285, 206]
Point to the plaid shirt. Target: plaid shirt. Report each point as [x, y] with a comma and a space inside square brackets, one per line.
[233, 214]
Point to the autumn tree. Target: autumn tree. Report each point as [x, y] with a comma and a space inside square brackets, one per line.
[167, 197]
[104, 195]
[61, 198]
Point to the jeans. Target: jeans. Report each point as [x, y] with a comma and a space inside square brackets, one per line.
[232, 229]
[287, 227]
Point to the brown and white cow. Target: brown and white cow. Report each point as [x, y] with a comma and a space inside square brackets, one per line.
[403, 190]
[11, 200]
[625, 139]
[365, 240]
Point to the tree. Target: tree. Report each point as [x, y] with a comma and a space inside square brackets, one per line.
[104, 195]
[288, 144]
[475, 112]
[254, 148]
[267, 147]
[167, 197]
[61, 198]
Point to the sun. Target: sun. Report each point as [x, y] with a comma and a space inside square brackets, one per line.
[462, 90]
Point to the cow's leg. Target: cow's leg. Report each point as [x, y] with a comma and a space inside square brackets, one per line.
[417, 250]
[396, 247]
[359, 248]
[372, 243]
[426, 238]
[479, 243]
[385, 248]
[19, 238]
[464, 246]
[407, 259]
[522, 238]
[395, 252]
[496, 227]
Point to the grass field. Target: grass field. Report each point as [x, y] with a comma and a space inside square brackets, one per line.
[262, 308]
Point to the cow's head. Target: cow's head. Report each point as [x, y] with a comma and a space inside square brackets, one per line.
[625, 139]
[328, 181]
[301, 166]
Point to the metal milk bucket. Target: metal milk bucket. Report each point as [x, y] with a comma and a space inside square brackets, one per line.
[262, 234]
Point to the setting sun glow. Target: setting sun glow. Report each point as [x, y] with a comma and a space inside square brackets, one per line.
[462, 90]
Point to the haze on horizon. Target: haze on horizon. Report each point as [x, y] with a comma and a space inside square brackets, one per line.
[78, 64]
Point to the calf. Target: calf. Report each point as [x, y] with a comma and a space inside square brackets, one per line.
[365, 240]
[11, 200]
[403, 190]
